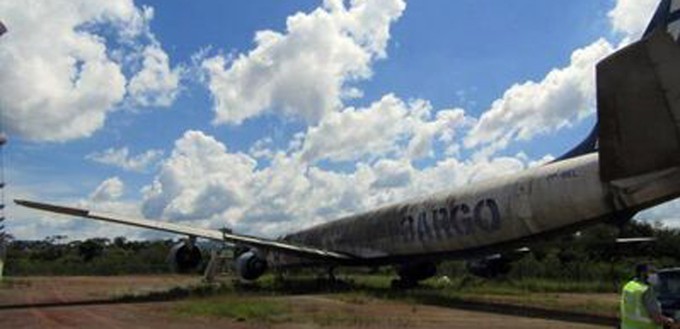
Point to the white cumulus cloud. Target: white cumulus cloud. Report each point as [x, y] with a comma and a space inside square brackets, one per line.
[666, 213]
[630, 17]
[199, 179]
[306, 71]
[383, 128]
[110, 189]
[122, 158]
[392, 174]
[59, 77]
[564, 96]
[203, 182]
[156, 84]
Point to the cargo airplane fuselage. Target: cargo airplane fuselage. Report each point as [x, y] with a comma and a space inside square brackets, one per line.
[492, 215]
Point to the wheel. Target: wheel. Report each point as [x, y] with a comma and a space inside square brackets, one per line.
[403, 284]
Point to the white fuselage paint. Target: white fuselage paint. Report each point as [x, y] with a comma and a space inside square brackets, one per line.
[494, 212]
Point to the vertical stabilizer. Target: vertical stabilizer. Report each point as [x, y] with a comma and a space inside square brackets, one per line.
[667, 16]
[638, 100]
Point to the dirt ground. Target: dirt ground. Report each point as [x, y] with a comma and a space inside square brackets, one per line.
[85, 302]
[46, 290]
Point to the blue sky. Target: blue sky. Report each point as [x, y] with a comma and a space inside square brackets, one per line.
[173, 109]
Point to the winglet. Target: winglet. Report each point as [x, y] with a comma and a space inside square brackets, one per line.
[53, 208]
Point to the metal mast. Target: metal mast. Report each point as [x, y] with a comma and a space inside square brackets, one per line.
[3, 141]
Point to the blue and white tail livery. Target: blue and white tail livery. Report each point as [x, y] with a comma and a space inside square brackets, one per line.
[667, 16]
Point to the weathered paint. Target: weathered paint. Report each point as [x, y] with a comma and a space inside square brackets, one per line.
[638, 88]
[501, 210]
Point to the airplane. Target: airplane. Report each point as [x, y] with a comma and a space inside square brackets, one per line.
[630, 162]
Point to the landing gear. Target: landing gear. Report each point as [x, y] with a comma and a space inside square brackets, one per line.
[331, 282]
[411, 273]
[331, 275]
[280, 278]
[400, 284]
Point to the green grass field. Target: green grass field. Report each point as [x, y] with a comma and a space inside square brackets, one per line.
[249, 309]
[259, 302]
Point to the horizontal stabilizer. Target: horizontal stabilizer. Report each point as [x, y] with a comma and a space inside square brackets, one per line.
[638, 96]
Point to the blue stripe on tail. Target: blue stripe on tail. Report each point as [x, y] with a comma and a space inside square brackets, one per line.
[662, 17]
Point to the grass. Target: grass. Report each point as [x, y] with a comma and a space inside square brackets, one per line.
[474, 284]
[355, 297]
[239, 309]
[306, 299]
[532, 293]
[539, 294]
[269, 310]
[544, 286]
[273, 310]
[258, 302]
[7, 283]
[350, 320]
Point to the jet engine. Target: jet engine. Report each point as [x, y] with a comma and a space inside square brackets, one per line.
[411, 273]
[496, 265]
[185, 257]
[250, 265]
[490, 267]
[417, 271]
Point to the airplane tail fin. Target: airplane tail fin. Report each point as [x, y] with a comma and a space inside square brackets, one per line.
[667, 16]
[638, 100]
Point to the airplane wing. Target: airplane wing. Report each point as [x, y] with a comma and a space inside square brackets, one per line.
[283, 247]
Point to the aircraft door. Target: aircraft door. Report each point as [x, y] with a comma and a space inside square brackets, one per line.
[521, 205]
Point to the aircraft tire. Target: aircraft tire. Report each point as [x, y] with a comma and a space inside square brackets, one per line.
[402, 284]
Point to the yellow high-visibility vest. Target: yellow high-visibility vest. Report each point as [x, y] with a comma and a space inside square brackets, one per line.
[634, 314]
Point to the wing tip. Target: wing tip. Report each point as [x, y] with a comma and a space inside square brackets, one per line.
[52, 208]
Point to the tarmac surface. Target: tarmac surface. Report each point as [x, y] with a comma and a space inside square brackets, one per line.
[86, 302]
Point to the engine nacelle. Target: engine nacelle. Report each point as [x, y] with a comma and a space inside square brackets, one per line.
[490, 267]
[418, 271]
[185, 257]
[250, 266]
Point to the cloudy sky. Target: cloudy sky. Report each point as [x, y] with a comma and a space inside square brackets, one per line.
[269, 116]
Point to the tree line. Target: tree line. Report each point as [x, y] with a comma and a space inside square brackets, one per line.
[55, 255]
[589, 255]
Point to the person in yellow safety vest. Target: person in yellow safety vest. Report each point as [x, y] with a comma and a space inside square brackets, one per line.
[639, 307]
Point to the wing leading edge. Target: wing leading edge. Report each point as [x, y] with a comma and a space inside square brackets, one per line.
[283, 247]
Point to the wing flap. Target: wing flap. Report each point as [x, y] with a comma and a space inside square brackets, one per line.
[280, 246]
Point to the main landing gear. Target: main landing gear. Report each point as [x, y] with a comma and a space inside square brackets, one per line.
[412, 273]
[330, 282]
